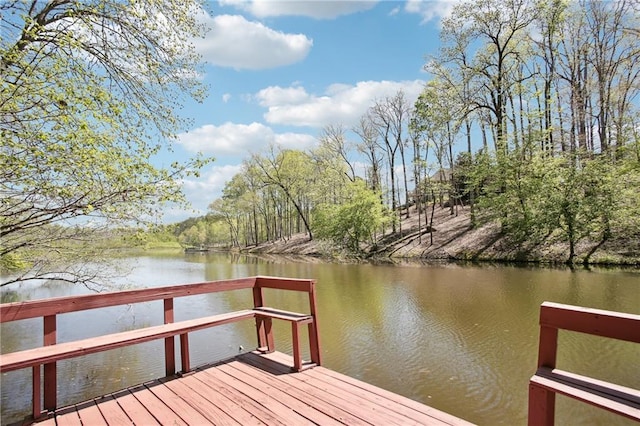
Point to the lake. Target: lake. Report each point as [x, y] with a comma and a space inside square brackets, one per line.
[460, 338]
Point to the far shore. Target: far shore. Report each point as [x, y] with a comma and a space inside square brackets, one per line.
[454, 239]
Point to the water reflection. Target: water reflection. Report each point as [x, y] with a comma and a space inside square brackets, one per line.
[460, 338]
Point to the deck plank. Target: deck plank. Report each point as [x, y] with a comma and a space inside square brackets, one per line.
[67, 417]
[253, 407]
[279, 390]
[90, 414]
[135, 410]
[339, 409]
[164, 405]
[228, 405]
[368, 393]
[263, 388]
[356, 404]
[354, 400]
[51, 421]
[288, 385]
[438, 416]
[112, 412]
[390, 409]
[399, 399]
[191, 390]
[263, 407]
[255, 389]
[171, 404]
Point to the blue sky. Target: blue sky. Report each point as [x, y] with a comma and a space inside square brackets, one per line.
[280, 71]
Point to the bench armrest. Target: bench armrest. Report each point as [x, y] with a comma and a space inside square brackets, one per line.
[282, 315]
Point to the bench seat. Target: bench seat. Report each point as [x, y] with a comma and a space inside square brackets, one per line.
[612, 397]
[549, 381]
[296, 321]
[60, 351]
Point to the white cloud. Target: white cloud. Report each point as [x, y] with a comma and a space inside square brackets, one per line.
[299, 141]
[430, 10]
[200, 192]
[203, 190]
[237, 43]
[275, 95]
[318, 9]
[233, 139]
[226, 139]
[226, 97]
[341, 103]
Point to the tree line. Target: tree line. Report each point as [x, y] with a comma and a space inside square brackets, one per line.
[530, 118]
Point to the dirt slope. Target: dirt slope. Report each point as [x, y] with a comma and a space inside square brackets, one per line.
[455, 239]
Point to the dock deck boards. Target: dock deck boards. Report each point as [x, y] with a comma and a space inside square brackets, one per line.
[253, 389]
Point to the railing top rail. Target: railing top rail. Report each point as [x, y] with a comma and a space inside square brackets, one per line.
[60, 305]
[295, 284]
[616, 325]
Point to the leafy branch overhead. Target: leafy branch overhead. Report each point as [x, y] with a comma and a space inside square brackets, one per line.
[90, 91]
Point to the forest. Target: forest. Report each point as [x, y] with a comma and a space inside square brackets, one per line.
[529, 119]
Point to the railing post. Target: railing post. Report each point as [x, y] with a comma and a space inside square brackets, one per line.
[37, 404]
[542, 402]
[314, 335]
[263, 325]
[50, 370]
[548, 347]
[295, 342]
[184, 353]
[169, 345]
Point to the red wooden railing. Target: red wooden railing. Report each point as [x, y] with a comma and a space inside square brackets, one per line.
[548, 380]
[52, 351]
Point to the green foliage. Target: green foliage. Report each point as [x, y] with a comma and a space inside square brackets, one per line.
[210, 230]
[11, 263]
[353, 222]
[89, 95]
[155, 237]
[571, 196]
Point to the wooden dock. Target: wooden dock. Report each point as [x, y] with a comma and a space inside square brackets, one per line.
[266, 387]
[253, 389]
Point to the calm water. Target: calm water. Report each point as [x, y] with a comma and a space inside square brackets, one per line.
[462, 339]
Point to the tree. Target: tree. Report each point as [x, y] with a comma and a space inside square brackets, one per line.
[223, 208]
[390, 118]
[436, 119]
[335, 144]
[369, 147]
[288, 171]
[89, 95]
[499, 27]
[613, 59]
[354, 221]
[549, 18]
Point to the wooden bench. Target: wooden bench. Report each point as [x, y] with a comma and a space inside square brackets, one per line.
[548, 380]
[53, 352]
[266, 314]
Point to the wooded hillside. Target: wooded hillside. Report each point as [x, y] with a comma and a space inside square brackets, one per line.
[529, 121]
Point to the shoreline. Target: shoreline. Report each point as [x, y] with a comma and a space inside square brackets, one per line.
[455, 240]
